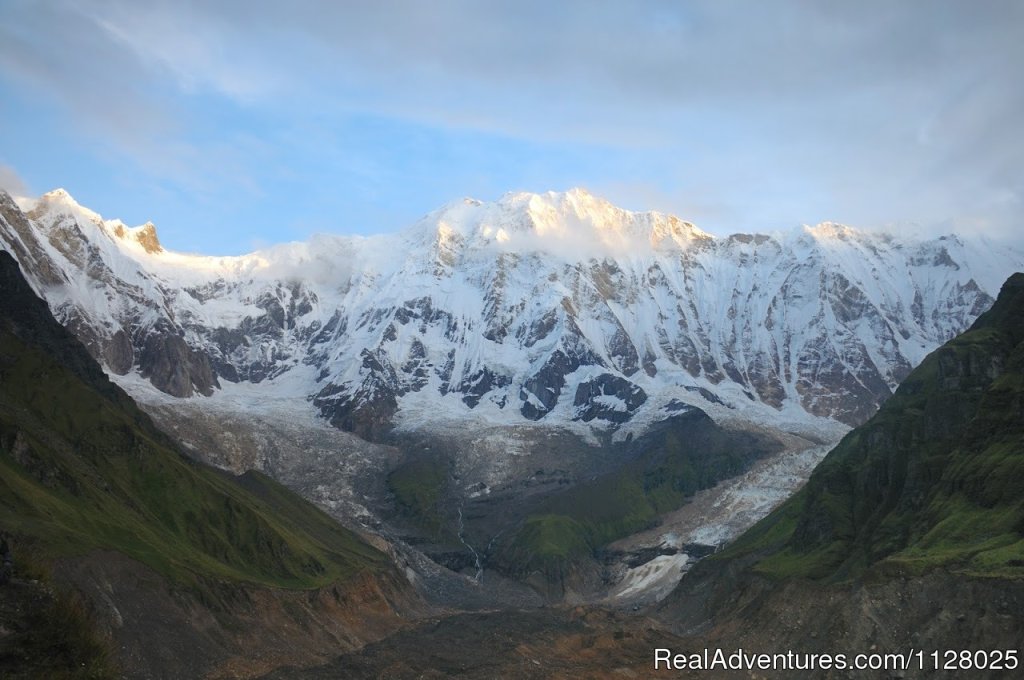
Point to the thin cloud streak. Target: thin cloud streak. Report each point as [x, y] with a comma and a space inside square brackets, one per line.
[11, 181]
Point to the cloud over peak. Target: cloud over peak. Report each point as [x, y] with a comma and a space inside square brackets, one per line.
[763, 114]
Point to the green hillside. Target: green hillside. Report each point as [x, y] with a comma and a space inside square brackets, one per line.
[936, 478]
[664, 468]
[82, 468]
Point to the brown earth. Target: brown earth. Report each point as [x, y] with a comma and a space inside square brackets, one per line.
[938, 611]
[541, 643]
[935, 612]
[161, 629]
[48, 633]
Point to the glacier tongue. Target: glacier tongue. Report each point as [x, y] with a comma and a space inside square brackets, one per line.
[556, 308]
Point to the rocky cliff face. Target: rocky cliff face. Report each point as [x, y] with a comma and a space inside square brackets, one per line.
[555, 308]
[935, 477]
[909, 534]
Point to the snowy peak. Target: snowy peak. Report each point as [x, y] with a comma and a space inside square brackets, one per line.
[830, 231]
[578, 215]
[573, 226]
[145, 236]
[59, 201]
[558, 308]
[58, 208]
[59, 195]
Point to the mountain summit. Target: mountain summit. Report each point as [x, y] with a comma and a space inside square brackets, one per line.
[557, 308]
[574, 225]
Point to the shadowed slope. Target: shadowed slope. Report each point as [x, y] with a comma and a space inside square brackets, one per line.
[187, 568]
[83, 468]
[935, 478]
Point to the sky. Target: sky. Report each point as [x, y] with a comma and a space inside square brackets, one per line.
[235, 125]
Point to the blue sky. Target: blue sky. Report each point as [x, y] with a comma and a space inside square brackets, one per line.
[238, 124]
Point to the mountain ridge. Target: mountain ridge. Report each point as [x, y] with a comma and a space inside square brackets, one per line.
[909, 535]
[180, 563]
[460, 309]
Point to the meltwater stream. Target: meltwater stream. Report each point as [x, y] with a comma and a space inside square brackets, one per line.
[476, 556]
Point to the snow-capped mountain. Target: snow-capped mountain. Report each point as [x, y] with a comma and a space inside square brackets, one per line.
[558, 308]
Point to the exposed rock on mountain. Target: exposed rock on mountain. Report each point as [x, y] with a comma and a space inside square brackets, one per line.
[935, 478]
[556, 308]
[170, 364]
[911, 529]
[183, 566]
[609, 397]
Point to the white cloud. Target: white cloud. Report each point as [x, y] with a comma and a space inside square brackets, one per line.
[867, 112]
[11, 182]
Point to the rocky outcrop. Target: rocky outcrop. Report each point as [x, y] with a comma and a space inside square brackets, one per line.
[19, 237]
[146, 236]
[480, 384]
[541, 391]
[174, 367]
[608, 397]
[118, 354]
[367, 409]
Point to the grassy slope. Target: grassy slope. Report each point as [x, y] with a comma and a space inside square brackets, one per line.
[82, 468]
[936, 478]
[666, 467]
[419, 488]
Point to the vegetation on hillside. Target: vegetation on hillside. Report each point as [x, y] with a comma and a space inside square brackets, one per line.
[82, 468]
[48, 631]
[664, 468]
[419, 489]
[935, 479]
